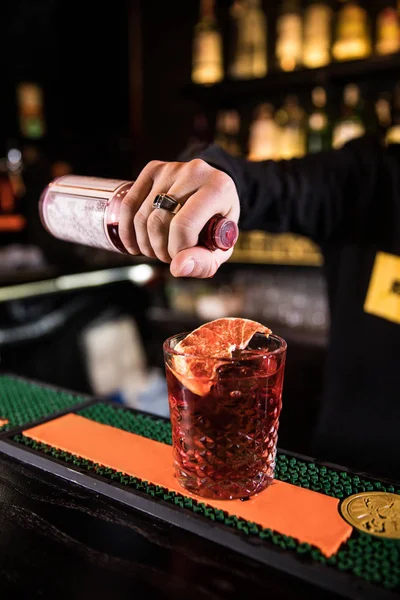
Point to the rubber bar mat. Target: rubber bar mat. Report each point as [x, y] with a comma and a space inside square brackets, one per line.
[364, 567]
[25, 402]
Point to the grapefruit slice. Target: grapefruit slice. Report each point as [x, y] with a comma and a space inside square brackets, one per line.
[200, 349]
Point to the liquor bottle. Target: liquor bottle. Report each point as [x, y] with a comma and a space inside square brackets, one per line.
[227, 131]
[350, 125]
[263, 135]
[317, 34]
[353, 38]
[383, 111]
[250, 54]
[31, 110]
[207, 63]
[289, 44]
[393, 132]
[388, 31]
[232, 129]
[319, 135]
[292, 136]
[86, 210]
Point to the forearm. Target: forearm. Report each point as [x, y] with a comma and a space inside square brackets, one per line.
[315, 196]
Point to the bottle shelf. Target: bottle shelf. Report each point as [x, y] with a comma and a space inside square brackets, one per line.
[284, 258]
[258, 247]
[229, 92]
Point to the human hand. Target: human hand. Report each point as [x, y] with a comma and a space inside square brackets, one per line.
[203, 192]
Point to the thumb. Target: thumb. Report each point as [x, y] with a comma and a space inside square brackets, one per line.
[198, 262]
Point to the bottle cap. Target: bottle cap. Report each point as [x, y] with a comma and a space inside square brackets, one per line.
[219, 233]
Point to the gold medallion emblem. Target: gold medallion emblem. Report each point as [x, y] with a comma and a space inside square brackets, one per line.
[377, 513]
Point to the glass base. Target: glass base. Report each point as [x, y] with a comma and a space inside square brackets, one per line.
[224, 490]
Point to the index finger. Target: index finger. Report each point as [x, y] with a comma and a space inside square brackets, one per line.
[129, 207]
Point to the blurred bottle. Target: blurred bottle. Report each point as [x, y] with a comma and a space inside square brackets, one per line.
[353, 38]
[250, 54]
[317, 34]
[59, 168]
[14, 167]
[351, 124]
[31, 110]
[207, 63]
[7, 196]
[264, 134]
[227, 131]
[292, 132]
[289, 39]
[383, 111]
[388, 31]
[14, 163]
[319, 131]
[393, 132]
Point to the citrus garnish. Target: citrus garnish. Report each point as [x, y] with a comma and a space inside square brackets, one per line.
[200, 349]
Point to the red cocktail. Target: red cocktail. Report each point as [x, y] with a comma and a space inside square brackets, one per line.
[225, 419]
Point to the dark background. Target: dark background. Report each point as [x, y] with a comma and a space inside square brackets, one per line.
[79, 54]
[110, 105]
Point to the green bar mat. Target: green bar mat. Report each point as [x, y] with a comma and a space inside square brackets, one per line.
[23, 402]
[371, 559]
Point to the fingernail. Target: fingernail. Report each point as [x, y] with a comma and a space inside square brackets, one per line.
[187, 268]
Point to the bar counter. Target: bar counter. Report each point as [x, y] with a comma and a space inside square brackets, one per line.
[83, 520]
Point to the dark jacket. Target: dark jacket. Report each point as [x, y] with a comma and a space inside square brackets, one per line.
[348, 201]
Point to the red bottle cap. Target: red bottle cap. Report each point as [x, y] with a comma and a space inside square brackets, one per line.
[219, 233]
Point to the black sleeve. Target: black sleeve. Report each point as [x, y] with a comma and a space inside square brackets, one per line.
[321, 196]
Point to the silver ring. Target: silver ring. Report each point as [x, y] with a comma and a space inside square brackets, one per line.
[166, 203]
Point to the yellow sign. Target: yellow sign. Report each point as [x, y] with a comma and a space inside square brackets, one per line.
[383, 297]
[377, 513]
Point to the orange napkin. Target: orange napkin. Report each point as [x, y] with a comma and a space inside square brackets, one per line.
[305, 515]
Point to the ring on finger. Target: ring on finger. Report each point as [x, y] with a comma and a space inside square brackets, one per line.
[166, 202]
